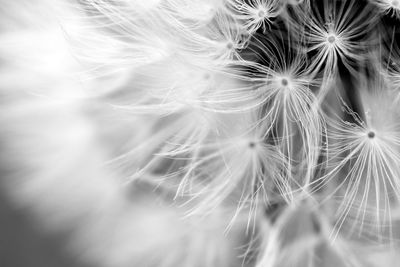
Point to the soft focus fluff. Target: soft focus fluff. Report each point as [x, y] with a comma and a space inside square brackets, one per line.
[205, 133]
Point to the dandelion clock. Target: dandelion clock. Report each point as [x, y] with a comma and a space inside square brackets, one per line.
[200, 133]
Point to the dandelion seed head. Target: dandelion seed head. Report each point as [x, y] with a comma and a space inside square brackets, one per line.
[216, 115]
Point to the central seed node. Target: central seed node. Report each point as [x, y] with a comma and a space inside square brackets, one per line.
[261, 13]
[331, 39]
[284, 82]
[252, 144]
[371, 135]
